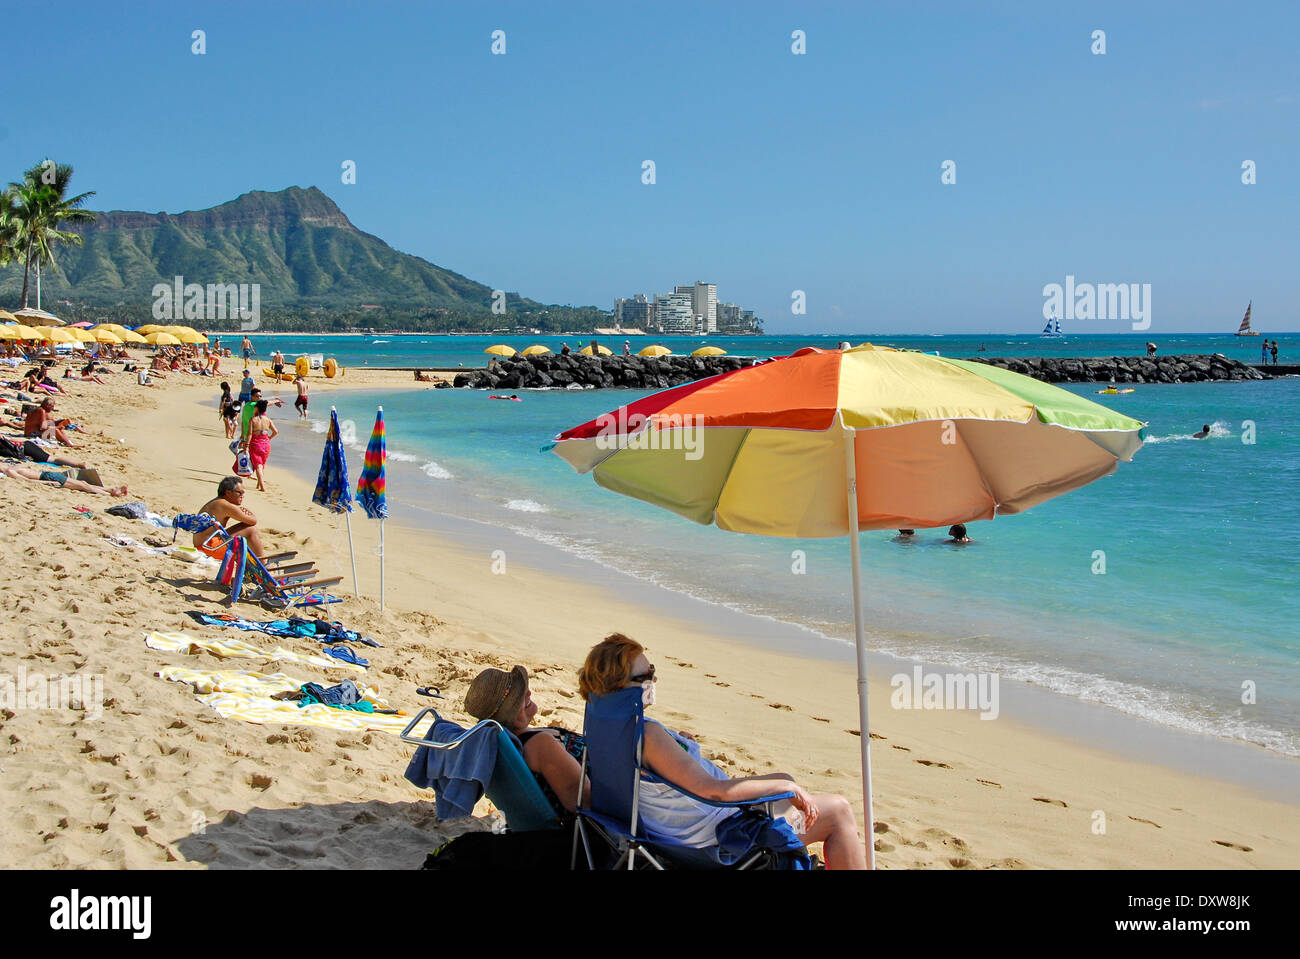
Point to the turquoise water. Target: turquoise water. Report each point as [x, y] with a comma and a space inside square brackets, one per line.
[1197, 595]
[451, 351]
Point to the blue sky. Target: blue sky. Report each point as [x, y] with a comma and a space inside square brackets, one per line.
[774, 171]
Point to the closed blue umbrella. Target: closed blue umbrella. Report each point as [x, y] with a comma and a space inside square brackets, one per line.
[333, 491]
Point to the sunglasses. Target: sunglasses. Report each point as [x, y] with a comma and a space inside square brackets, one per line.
[645, 677]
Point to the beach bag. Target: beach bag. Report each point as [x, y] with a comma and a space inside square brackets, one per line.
[243, 465]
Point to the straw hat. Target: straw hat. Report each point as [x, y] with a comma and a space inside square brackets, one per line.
[496, 694]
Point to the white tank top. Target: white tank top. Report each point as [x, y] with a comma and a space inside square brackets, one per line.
[667, 812]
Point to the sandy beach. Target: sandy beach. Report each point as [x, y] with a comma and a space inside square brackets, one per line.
[161, 780]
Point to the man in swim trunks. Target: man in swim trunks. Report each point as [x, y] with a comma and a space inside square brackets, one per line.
[62, 479]
[300, 404]
[277, 363]
[246, 387]
[225, 508]
[40, 422]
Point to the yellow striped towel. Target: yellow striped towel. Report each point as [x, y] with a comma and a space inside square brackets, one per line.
[225, 648]
[245, 695]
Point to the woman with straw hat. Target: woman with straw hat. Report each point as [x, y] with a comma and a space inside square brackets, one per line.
[552, 753]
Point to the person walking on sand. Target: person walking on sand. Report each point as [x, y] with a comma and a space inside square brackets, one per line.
[300, 404]
[277, 363]
[247, 347]
[247, 386]
[260, 433]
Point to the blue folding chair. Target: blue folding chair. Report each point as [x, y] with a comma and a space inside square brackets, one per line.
[511, 787]
[614, 730]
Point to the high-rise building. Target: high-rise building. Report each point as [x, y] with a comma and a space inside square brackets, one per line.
[675, 312]
[704, 301]
[636, 313]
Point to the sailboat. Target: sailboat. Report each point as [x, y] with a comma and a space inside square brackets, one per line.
[1244, 329]
[1052, 331]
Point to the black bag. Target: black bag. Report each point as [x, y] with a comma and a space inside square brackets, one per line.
[542, 850]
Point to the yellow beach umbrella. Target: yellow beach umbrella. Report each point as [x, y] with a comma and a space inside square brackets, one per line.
[85, 336]
[7, 317]
[537, 350]
[149, 328]
[501, 350]
[189, 336]
[654, 351]
[604, 350]
[162, 339]
[9, 331]
[130, 336]
[25, 332]
[105, 336]
[52, 334]
[709, 351]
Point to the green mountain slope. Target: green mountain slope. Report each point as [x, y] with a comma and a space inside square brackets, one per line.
[296, 243]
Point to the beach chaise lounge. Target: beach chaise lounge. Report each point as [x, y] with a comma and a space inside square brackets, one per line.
[272, 581]
[509, 782]
[613, 728]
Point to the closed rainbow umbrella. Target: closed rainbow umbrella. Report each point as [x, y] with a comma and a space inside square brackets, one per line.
[822, 444]
[370, 488]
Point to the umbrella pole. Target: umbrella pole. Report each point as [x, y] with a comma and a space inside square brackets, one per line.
[381, 564]
[352, 551]
[860, 641]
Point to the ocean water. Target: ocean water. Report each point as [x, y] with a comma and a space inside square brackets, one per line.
[450, 351]
[1197, 599]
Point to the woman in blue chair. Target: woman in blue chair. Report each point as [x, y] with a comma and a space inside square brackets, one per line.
[618, 663]
[552, 754]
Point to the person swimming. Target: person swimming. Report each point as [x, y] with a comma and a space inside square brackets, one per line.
[1205, 431]
[958, 533]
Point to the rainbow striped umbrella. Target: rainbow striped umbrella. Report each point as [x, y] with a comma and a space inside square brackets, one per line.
[827, 443]
[370, 488]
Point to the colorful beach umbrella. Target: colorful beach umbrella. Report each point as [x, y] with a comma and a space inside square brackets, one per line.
[604, 350]
[709, 351]
[822, 444]
[105, 336]
[370, 488]
[654, 351]
[24, 332]
[537, 350]
[333, 491]
[501, 350]
[162, 339]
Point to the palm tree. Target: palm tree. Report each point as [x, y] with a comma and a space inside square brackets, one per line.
[9, 246]
[39, 208]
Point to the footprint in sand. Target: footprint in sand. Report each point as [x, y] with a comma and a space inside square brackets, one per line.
[788, 709]
[711, 675]
[878, 736]
[854, 732]
[989, 782]
[882, 846]
[931, 762]
[959, 863]
[879, 826]
[1147, 821]
[1233, 845]
[1054, 802]
[724, 685]
[686, 665]
[821, 720]
[903, 748]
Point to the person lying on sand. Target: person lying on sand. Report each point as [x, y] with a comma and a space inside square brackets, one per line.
[57, 478]
[618, 662]
[40, 422]
[552, 754]
[34, 453]
[227, 508]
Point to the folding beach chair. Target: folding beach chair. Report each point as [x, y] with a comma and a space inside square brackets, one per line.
[273, 581]
[512, 787]
[614, 730]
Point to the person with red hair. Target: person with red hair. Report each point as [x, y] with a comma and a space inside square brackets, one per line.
[619, 662]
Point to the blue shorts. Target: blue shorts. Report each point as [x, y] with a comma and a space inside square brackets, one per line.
[54, 476]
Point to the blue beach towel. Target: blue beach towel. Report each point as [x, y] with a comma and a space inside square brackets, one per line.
[458, 776]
